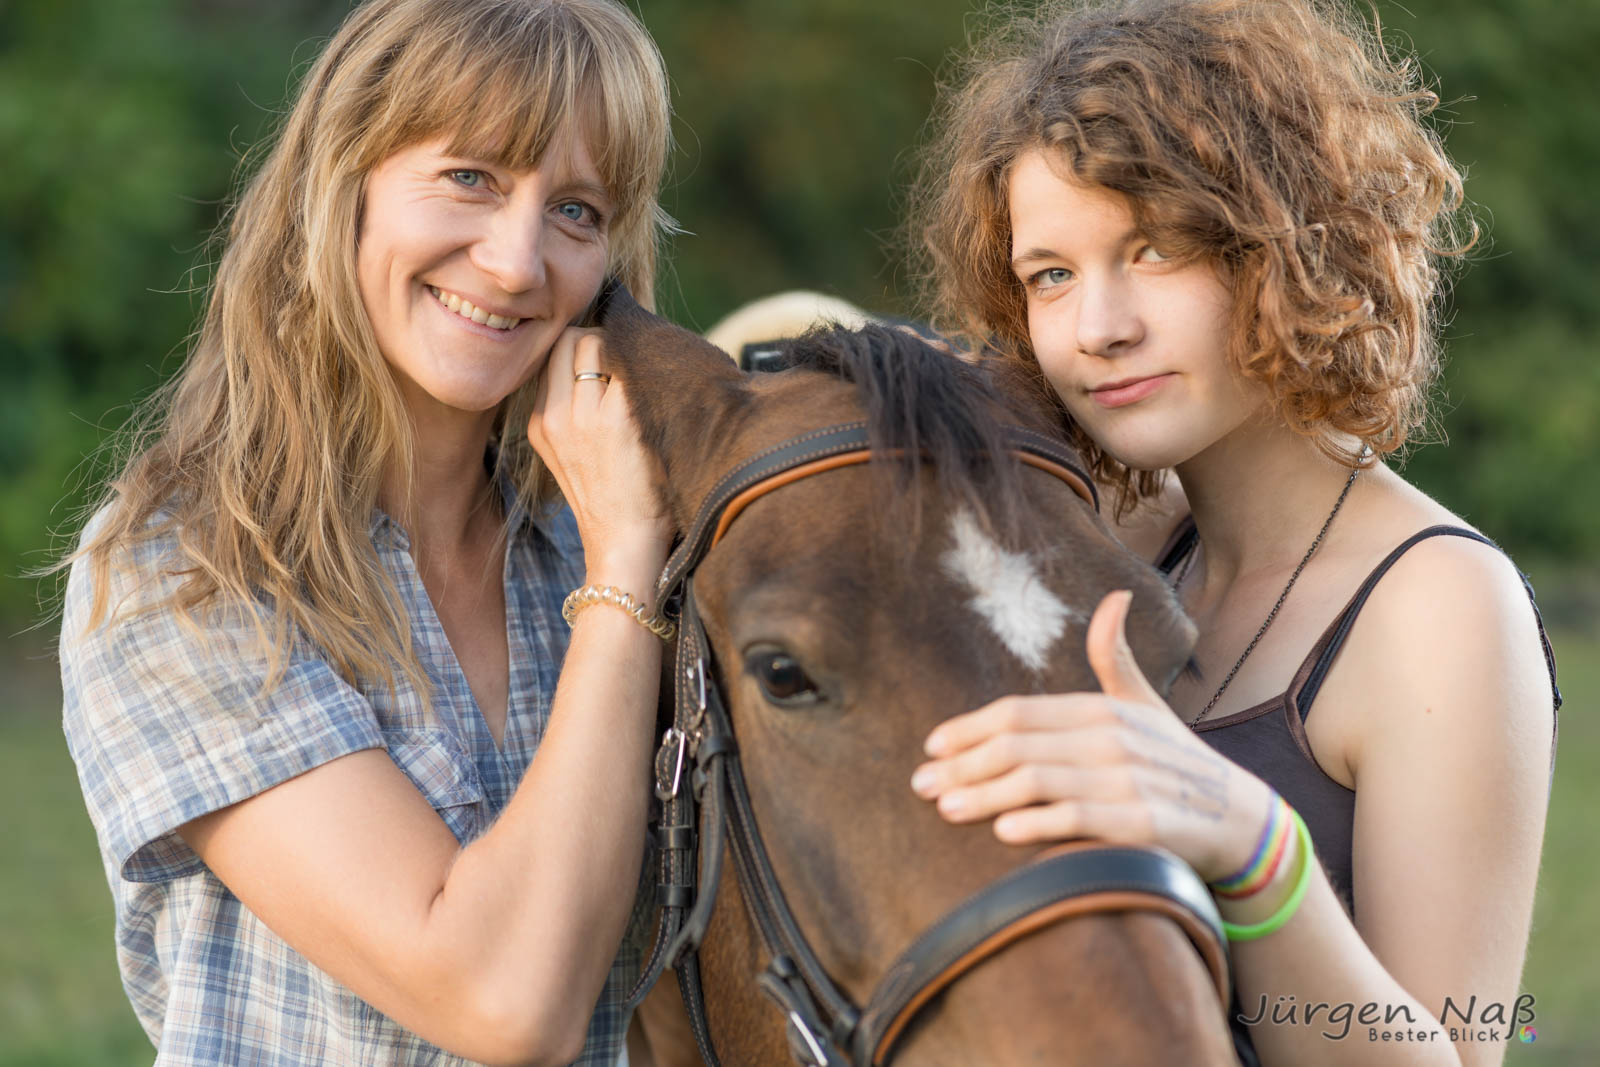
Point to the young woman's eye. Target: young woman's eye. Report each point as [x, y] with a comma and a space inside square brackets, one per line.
[1152, 254]
[471, 179]
[1049, 278]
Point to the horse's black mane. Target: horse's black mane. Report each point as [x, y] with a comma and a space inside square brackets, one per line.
[929, 410]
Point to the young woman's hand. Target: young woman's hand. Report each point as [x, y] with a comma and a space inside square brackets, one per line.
[1118, 765]
[585, 434]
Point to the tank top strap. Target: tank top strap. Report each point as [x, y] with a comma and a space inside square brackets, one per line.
[1309, 678]
[1179, 544]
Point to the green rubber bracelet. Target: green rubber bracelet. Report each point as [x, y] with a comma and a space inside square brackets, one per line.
[1290, 905]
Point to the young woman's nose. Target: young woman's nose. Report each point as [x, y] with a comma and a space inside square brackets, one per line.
[511, 248]
[1109, 322]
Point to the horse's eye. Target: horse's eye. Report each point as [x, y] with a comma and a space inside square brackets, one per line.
[781, 678]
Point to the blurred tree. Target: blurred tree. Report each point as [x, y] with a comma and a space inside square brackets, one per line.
[1521, 400]
[123, 123]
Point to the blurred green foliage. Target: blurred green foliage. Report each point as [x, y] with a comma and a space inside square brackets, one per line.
[123, 124]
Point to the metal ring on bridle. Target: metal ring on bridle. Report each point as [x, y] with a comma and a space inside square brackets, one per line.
[592, 376]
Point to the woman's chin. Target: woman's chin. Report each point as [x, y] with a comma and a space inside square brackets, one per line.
[1147, 455]
[467, 398]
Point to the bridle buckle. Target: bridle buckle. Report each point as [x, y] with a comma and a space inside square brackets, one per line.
[678, 740]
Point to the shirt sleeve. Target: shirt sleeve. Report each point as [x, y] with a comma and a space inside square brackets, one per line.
[169, 720]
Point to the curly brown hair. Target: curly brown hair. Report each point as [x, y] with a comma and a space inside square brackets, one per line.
[1276, 139]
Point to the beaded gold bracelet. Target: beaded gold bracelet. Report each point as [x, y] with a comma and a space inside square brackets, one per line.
[587, 595]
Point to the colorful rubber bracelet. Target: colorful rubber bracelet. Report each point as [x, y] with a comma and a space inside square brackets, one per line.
[1291, 904]
[1252, 868]
[1264, 875]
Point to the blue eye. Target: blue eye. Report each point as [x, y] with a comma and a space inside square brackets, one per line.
[574, 210]
[1050, 278]
[472, 179]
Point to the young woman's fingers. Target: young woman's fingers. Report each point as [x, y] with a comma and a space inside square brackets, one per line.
[1016, 714]
[1122, 823]
[1111, 658]
[1090, 745]
[1039, 783]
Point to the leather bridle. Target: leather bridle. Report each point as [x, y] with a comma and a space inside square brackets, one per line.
[698, 766]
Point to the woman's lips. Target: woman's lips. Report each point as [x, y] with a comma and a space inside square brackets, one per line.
[1129, 391]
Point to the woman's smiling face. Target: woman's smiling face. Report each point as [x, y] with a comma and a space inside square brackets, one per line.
[469, 271]
[1134, 343]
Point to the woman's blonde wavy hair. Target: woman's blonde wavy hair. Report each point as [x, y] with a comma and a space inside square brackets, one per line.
[1275, 139]
[264, 456]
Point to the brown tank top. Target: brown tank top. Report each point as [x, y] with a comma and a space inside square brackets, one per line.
[1269, 739]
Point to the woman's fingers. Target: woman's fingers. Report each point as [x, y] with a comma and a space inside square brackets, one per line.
[561, 394]
[1126, 822]
[1090, 743]
[588, 379]
[1110, 657]
[1017, 714]
[1039, 783]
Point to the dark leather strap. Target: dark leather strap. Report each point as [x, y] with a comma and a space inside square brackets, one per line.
[811, 453]
[1078, 879]
[697, 541]
[1180, 544]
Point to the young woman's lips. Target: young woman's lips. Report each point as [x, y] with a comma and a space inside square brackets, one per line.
[1121, 394]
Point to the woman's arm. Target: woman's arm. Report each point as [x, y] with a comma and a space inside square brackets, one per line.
[496, 951]
[1452, 785]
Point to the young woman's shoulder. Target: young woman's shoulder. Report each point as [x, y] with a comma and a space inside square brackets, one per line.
[1448, 653]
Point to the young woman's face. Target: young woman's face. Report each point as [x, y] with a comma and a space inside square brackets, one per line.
[469, 271]
[1133, 342]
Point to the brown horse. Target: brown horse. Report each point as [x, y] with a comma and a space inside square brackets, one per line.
[848, 613]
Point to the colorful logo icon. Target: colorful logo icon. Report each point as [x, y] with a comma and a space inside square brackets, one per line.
[1528, 1035]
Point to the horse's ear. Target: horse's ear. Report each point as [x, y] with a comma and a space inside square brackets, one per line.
[686, 394]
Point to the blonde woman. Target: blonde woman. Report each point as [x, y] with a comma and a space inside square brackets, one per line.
[1217, 228]
[358, 800]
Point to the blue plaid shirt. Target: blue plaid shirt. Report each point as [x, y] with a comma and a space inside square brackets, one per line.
[166, 726]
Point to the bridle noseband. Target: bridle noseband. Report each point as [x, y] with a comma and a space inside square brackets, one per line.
[698, 763]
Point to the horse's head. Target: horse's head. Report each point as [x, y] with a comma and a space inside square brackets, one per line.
[851, 611]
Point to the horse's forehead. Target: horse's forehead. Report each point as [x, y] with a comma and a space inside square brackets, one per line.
[1007, 590]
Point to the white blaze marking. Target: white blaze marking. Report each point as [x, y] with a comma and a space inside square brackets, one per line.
[1021, 610]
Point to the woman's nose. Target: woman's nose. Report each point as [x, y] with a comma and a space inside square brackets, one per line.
[1109, 321]
[511, 249]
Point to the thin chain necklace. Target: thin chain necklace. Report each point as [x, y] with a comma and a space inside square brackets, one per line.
[1273, 614]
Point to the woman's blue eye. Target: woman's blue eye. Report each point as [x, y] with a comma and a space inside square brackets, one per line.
[572, 209]
[1047, 279]
[470, 178]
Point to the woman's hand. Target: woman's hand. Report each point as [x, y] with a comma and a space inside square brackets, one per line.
[1117, 765]
[585, 434]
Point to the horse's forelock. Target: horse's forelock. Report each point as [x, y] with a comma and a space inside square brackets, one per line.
[926, 410]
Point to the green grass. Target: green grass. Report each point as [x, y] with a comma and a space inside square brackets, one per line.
[1563, 972]
[61, 1002]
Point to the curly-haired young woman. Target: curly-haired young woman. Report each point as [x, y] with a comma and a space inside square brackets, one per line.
[1218, 228]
